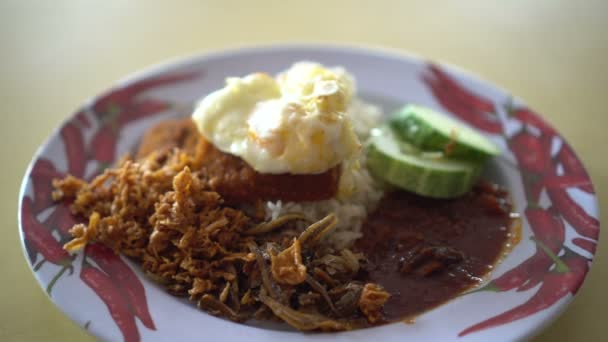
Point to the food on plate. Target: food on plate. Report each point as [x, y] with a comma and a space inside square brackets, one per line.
[424, 251]
[428, 153]
[169, 135]
[425, 173]
[432, 131]
[262, 205]
[297, 123]
[234, 178]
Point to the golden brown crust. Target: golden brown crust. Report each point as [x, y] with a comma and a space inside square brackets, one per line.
[167, 135]
[231, 176]
[238, 182]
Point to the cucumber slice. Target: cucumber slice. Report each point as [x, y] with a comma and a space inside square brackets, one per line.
[406, 167]
[430, 130]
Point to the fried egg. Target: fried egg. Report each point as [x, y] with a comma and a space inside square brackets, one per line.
[295, 123]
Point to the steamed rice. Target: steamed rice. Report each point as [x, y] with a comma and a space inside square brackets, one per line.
[350, 210]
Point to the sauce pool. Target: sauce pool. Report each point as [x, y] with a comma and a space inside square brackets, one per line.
[426, 251]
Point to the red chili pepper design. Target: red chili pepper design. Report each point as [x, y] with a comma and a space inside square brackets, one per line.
[582, 222]
[75, 149]
[120, 107]
[104, 144]
[534, 280]
[40, 237]
[103, 286]
[554, 287]
[548, 230]
[526, 116]
[573, 166]
[32, 253]
[514, 278]
[569, 160]
[566, 181]
[141, 109]
[479, 120]
[82, 120]
[123, 96]
[579, 266]
[42, 176]
[465, 96]
[533, 157]
[475, 110]
[530, 152]
[556, 275]
[547, 227]
[104, 141]
[585, 244]
[126, 280]
[545, 150]
[63, 220]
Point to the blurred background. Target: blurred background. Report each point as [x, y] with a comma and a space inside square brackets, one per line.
[56, 54]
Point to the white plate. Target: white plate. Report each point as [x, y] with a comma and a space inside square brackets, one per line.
[548, 184]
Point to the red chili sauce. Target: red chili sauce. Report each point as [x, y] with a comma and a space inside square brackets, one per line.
[426, 251]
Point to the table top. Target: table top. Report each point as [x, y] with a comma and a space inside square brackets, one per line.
[56, 54]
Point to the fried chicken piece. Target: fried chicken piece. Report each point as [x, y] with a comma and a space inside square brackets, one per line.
[238, 182]
[232, 177]
[169, 134]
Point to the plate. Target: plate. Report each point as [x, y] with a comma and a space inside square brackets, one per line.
[109, 297]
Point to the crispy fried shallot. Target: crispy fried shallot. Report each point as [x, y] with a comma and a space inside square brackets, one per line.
[161, 211]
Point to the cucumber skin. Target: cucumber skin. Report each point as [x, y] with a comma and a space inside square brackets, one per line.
[423, 182]
[428, 139]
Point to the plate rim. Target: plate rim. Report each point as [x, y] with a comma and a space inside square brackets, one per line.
[207, 55]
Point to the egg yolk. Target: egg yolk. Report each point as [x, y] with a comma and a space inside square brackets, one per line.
[295, 123]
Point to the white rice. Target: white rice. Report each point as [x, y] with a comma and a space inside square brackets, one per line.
[350, 210]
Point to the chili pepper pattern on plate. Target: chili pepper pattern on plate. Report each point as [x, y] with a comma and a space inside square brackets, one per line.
[554, 266]
[560, 231]
[114, 282]
[109, 293]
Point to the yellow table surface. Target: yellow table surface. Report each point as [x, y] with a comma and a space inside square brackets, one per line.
[56, 54]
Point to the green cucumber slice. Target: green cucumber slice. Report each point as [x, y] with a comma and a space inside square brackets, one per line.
[430, 130]
[403, 166]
